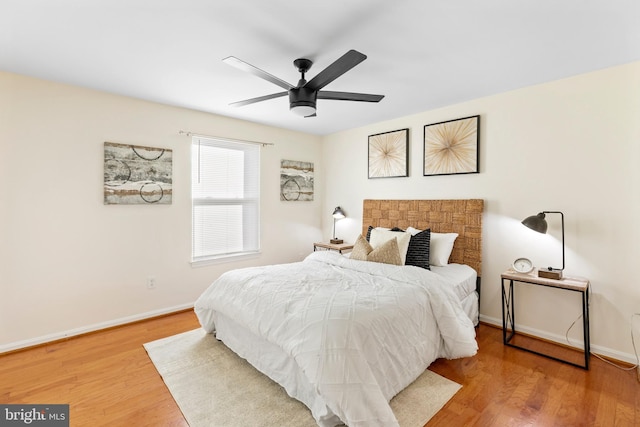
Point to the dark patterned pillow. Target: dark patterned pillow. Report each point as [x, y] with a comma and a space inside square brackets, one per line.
[368, 236]
[418, 252]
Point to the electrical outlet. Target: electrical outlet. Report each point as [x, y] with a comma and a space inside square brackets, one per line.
[151, 282]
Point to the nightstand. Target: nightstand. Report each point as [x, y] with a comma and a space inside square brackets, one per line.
[578, 285]
[332, 246]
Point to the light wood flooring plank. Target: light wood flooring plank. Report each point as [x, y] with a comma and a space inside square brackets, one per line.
[108, 379]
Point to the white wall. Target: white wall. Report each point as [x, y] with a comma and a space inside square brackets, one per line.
[68, 263]
[572, 145]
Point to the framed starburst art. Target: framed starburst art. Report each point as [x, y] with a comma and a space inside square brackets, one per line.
[452, 147]
[389, 154]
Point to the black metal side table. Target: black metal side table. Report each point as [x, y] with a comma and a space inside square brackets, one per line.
[508, 310]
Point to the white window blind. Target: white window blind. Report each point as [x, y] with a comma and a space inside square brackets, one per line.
[225, 194]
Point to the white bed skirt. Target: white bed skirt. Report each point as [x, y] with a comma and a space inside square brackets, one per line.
[269, 359]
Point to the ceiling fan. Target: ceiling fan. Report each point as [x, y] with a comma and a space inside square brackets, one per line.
[302, 98]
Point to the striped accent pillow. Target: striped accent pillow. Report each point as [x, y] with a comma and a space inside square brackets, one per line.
[369, 233]
[418, 253]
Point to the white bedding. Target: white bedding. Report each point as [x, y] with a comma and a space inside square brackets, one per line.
[462, 277]
[343, 336]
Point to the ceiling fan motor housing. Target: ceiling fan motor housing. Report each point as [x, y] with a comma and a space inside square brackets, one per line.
[302, 96]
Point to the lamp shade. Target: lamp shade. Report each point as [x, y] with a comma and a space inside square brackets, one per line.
[338, 213]
[536, 223]
[539, 223]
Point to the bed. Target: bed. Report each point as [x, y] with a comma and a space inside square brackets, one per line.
[343, 335]
[463, 217]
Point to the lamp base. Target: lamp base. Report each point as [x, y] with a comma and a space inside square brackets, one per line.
[553, 273]
[337, 241]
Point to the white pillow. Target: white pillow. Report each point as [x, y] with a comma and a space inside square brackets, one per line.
[440, 246]
[379, 236]
[413, 231]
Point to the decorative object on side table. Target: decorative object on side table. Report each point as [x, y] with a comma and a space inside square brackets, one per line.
[338, 213]
[522, 265]
[539, 223]
[452, 147]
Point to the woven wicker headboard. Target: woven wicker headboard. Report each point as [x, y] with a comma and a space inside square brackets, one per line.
[441, 216]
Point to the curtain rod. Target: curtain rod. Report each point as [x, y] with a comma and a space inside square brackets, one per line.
[197, 135]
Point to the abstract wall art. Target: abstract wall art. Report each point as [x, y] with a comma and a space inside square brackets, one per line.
[135, 174]
[296, 181]
[389, 154]
[452, 147]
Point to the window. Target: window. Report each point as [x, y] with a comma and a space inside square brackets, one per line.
[225, 194]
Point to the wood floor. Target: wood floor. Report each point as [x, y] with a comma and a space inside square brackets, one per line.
[107, 379]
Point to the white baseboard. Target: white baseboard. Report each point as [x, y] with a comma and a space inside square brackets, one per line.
[90, 328]
[603, 351]
[578, 344]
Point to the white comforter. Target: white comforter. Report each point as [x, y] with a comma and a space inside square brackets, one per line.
[359, 331]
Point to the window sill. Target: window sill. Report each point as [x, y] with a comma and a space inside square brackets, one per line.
[220, 259]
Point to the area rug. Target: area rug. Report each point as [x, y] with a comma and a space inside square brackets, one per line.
[215, 387]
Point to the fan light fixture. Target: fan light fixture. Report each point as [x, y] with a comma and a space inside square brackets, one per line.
[303, 110]
[539, 223]
[338, 213]
[302, 101]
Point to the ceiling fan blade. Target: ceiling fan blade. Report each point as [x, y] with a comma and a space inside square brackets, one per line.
[244, 66]
[335, 70]
[349, 96]
[258, 99]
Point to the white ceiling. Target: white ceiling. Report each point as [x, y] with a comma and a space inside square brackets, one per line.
[421, 54]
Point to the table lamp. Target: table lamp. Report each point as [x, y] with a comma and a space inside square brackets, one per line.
[539, 223]
[338, 213]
